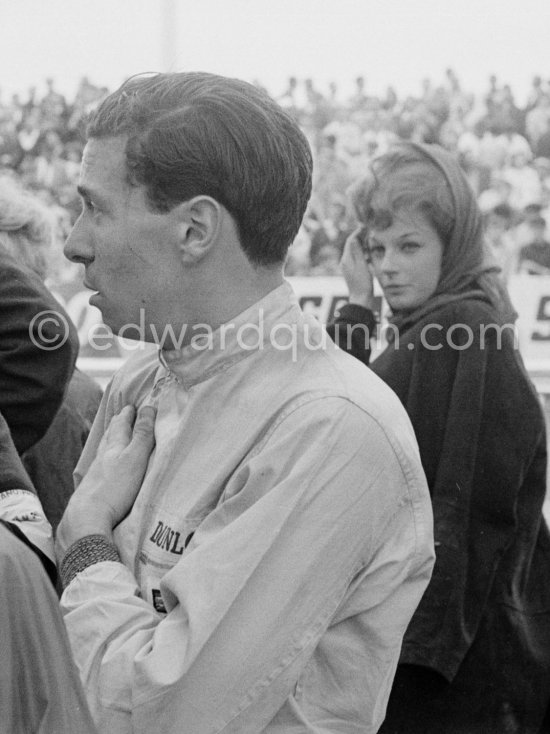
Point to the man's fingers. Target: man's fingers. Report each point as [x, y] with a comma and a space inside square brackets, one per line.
[120, 427]
[126, 427]
[144, 427]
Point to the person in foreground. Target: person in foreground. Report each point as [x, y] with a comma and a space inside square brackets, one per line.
[259, 578]
[38, 351]
[476, 655]
[26, 234]
[40, 690]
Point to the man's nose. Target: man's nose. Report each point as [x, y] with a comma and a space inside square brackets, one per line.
[78, 248]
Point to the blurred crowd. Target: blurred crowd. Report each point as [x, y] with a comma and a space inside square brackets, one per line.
[503, 147]
[41, 143]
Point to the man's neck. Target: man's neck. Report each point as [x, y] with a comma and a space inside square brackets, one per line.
[228, 299]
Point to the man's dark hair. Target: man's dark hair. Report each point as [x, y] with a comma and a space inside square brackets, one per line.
[195, 133]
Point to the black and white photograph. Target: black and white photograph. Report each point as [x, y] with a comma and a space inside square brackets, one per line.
[274, 367]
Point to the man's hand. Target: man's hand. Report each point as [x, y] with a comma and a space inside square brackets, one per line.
[356, 271]
[108, 491]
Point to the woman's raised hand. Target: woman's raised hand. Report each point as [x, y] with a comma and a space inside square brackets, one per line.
[357, 272]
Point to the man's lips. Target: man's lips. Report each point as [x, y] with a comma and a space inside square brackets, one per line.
[89, 286]
[94, 296]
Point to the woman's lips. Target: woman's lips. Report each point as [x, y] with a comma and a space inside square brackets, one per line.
[394, 288]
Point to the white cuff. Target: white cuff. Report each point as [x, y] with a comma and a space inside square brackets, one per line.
[22, 508]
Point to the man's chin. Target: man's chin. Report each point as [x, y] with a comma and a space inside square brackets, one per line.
[128, 331]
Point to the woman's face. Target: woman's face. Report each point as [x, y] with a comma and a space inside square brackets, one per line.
[406, 257]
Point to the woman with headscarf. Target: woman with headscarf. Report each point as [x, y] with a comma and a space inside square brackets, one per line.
[476, 656]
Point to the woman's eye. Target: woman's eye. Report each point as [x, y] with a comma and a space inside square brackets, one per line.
[376, 252]
[410, 246]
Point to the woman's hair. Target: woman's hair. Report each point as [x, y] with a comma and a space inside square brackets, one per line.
[26, 229]
[404, 178]
[428, 179]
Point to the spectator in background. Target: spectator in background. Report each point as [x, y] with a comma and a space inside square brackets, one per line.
[332, 100]
[50, 166]
[534, 258]
[331, 175]
[542, 167]
[288, 100]
[468, 159]
[358, 100]
[328, 240]
[492, 150]
[536, 92]
[316, 112]
[29, 134]
[523, 229]
[542, 147]
[493, 95]
[485, 130]
[498, 193]
[326, 261]
[10, 151]
[26, 234]
[389, 102]
[523, 179]
[502, 246]
[537, 121]
[53, 109]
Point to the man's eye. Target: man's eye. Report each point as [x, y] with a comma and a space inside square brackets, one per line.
[410, 246]
[90, 206]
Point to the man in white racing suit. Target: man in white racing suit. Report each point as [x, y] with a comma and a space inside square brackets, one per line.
[257, 570]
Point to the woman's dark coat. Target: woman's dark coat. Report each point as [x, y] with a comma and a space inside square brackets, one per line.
[484, 621]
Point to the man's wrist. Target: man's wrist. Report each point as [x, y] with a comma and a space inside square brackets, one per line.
[86, 552]
[79, 521]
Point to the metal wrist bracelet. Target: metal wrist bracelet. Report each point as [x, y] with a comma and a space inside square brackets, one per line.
[86, 552]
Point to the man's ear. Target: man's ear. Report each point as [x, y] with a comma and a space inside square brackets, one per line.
[199, 222]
